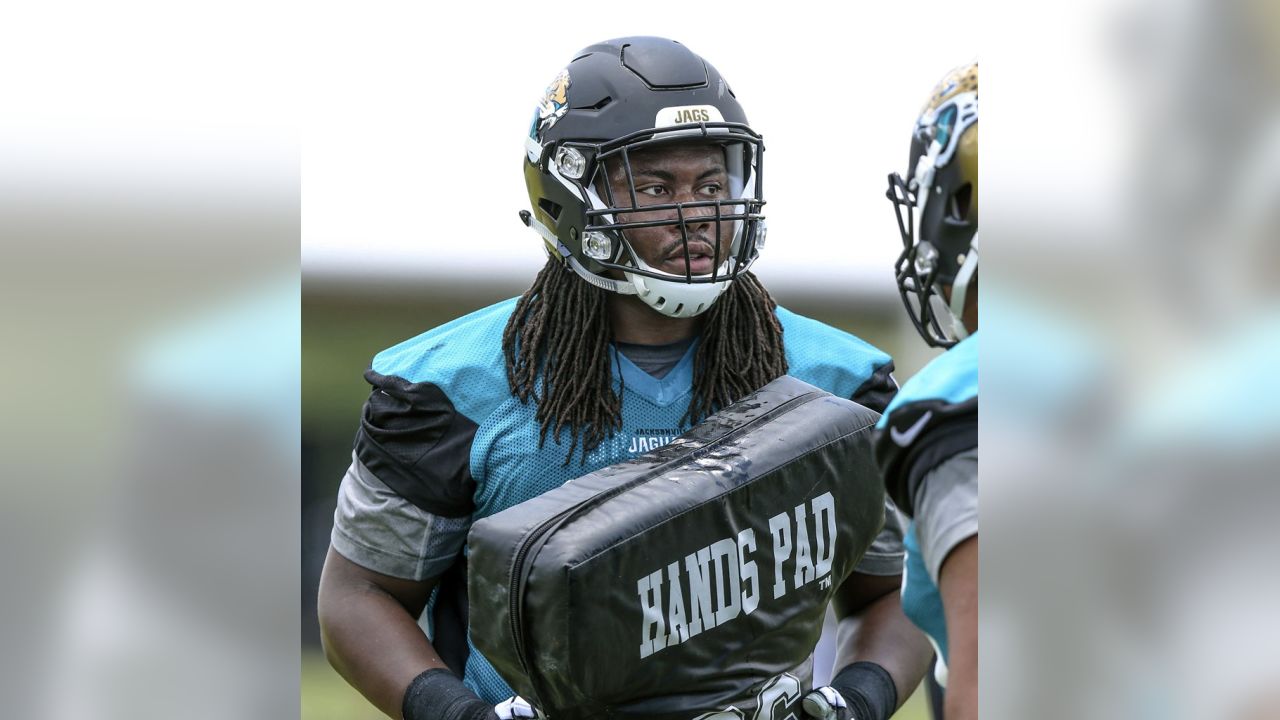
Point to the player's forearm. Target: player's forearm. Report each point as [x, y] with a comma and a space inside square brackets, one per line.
[880, 633]
[370, 638]
[958, 584]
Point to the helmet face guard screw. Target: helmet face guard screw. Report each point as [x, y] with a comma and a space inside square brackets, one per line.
[926, 259]
[571, 163]
[597, 245]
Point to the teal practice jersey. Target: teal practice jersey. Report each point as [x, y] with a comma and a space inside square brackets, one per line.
[443, 430]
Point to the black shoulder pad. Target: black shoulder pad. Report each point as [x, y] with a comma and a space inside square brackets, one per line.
[413, 439]
[876, 392]
[919, 437]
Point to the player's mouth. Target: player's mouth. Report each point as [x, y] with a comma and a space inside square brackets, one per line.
[701, 260]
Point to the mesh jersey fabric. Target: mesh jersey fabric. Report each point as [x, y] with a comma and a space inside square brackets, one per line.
[462, 362]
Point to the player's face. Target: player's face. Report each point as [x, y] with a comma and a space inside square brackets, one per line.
[677, 174]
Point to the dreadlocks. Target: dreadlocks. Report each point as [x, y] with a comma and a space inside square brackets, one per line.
[741, 348]
[557, 352]
[560, 330]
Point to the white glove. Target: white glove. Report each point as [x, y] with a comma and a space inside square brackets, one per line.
[826, 703]
[516, 708]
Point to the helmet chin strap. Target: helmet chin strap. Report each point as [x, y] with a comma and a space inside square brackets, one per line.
[960, 289]
[621, 287]
[618, 286]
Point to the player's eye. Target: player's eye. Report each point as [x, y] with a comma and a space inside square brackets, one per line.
[712, 189]
[652, 190]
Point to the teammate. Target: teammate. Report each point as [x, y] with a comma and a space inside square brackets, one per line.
[646, 189]
[927, 440]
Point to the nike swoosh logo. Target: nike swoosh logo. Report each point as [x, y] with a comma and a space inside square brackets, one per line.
[904, 439]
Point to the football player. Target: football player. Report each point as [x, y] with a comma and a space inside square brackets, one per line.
[927, 439]
[645, 185]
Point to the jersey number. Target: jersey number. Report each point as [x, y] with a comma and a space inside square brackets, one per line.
[776, 701]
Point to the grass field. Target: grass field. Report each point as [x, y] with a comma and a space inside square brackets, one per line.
[326, 696]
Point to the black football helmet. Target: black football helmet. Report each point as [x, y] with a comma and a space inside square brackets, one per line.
[937, 209]
[614, 98]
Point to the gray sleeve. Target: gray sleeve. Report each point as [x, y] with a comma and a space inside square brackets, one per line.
[377, 529]
[947, 508]
[886, 553]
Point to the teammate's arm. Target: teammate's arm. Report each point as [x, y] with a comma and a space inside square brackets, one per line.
[370, 632]
[881, 656]
[958, 584]
[947, 526]
[873, 629]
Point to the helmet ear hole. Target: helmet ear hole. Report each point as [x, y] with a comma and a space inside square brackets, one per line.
[958, 205]
[551, 209]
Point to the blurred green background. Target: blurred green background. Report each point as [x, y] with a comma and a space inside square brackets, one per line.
[346, 320]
